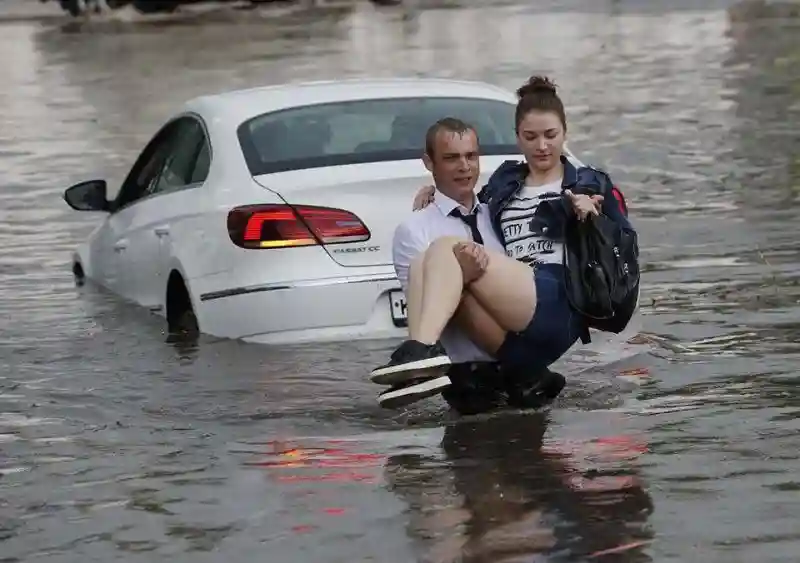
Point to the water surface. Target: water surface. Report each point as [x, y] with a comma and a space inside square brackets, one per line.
[118, 444]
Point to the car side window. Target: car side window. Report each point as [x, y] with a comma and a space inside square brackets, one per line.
[146, 169]
[180, 166]
[173, 159]
[202, 163]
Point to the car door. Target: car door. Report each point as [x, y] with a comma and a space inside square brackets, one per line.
[110, 246]
[170, 221]
[143, 213]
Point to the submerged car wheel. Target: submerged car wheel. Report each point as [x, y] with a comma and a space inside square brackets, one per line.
[181, 320]
[155, 6]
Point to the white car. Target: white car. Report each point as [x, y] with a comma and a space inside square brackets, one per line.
[267, 214]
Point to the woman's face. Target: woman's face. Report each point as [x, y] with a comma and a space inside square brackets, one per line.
[541, 138]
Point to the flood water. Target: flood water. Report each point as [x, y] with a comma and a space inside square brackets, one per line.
[119, 445]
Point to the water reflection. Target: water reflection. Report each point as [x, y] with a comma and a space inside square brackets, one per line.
[502, 492]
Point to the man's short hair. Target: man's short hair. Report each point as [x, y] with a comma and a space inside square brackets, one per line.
[449, 124]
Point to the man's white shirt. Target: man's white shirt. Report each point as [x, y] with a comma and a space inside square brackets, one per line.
[413, 236]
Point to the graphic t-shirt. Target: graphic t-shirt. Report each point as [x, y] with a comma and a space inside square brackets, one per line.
[524, 239]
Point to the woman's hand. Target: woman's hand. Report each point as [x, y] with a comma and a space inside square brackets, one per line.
[424, 197]
[585, 205]
[472, 258]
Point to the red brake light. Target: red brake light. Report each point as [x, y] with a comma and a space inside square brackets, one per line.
[281, 226]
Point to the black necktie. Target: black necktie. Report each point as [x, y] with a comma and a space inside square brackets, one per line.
[471, 221]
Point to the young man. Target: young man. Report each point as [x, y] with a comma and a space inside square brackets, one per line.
[460, 368]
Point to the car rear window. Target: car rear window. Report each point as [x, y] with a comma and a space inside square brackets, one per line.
[356, 132]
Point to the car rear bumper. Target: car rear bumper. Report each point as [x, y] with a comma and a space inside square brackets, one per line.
[329, 309]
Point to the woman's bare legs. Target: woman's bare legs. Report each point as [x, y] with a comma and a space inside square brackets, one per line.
[470, 316]
[502, 300]
[416, 275]
[480, 326]
[441, 288]
[505, 291]
[414, 356]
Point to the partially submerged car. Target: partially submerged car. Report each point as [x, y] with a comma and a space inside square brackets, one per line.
[268, 214]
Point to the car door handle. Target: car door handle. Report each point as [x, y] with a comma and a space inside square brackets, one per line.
[120, 245]
[161, 231]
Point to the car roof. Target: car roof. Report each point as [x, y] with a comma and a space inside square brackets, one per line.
[237, 106]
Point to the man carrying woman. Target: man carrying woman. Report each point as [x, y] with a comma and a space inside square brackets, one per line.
[491, 268]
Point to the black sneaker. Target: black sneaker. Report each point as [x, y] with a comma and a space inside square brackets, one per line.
[476, 388]
[411, 391]
[407, 360]
[533, 391]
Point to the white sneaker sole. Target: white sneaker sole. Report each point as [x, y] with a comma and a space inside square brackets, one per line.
[403, 372]
[413, 393]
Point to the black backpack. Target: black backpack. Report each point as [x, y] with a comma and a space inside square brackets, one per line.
[601, 262]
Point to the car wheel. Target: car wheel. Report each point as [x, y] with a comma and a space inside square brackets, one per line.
[181, 319]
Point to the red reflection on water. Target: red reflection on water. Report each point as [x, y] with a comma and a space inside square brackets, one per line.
[635, 372]
[602, 448]
[586, 460]
[321, 457]
[284, 455]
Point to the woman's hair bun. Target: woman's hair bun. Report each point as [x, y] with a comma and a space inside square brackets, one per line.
[537, 85]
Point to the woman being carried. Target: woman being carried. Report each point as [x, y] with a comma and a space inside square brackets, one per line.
[514, 306]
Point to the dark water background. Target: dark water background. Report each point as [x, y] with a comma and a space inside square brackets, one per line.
[117, 445]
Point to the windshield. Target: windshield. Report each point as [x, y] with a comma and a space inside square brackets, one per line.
[362, 131]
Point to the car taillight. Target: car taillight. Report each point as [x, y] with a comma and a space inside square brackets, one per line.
[281, 226]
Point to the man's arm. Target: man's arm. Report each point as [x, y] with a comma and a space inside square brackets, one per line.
[406, 246]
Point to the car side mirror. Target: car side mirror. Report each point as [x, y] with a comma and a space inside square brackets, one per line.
[88, 196]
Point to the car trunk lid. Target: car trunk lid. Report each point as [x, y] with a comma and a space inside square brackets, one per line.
[379, 194]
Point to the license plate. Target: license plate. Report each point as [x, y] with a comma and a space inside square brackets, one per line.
[399, 308]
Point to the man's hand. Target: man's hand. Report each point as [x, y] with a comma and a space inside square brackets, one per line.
[472, 258]
[585, 205]
[424, 197]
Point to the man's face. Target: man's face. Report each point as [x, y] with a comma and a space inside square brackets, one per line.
[454, 164]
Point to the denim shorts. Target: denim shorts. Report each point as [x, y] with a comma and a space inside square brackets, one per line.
[554, 328]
